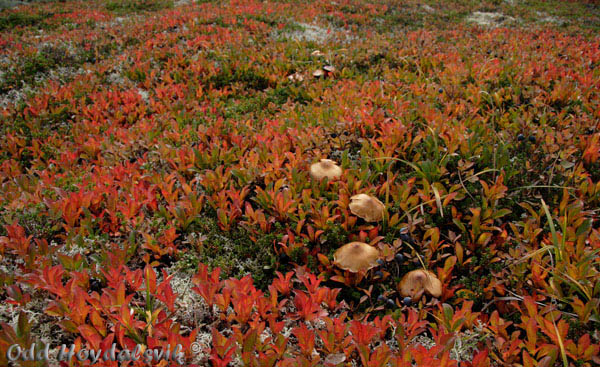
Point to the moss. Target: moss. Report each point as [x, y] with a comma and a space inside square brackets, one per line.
[335, 236]
[248, 77]
[14, 20]
[477, 281]
[282, 94]
[28, 67]
[297, 255]
[396, 16]
[350, 295]
[189, 261]
[265, 103]
[235, 251]
[126, 6]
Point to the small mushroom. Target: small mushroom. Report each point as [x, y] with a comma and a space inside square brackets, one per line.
[367, 207]
[416, 282]
[329, 68]
[317, 53]
[356, 256]
[326, 168]
[318, 73]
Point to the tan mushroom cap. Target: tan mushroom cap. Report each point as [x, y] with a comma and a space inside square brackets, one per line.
[356, 256]
[325, 168]
[329, 68]
[318, 73]
[414, 283]
[367, 207]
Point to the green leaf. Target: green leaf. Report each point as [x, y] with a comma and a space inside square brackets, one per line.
[459, 225]
[457, 324]
[23, 326]
[557, 249]
[584, 227]
[501, 213]
[448, 311]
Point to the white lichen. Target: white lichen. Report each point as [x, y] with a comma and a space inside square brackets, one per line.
[489, 19]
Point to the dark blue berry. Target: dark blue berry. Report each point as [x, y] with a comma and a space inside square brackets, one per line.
[334, 135]
[379, 274]
[520, 137]
[406, 238]
[407, 301]
[381, 298]
[399, 258]
[441, 90]
[532, 139]
[284, 258]
[390, 303]
[380, 262]
[95, 285]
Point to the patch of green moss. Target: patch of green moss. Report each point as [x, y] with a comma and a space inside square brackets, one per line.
[189, 261]
[14, 20]
[235, 252]
[125, 6]
[265, 103]
[28, 67]
[297, 255]
[335, 237]
[476, 281]
[248, 77]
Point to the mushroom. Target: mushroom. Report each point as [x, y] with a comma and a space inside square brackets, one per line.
[325, 168]
[367, 207]
[329, 68]
[414, 283]
[356, 256]
[318, 73]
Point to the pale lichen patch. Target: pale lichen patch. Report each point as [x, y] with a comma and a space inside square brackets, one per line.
[489, 19]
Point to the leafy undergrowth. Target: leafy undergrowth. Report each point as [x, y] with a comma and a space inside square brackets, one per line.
[154, 184]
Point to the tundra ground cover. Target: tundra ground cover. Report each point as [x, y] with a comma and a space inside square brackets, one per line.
[155, 183]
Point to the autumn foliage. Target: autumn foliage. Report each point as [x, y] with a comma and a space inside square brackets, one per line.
[153, 142]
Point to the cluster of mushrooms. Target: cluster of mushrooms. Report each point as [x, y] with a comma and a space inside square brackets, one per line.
[359, 256]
